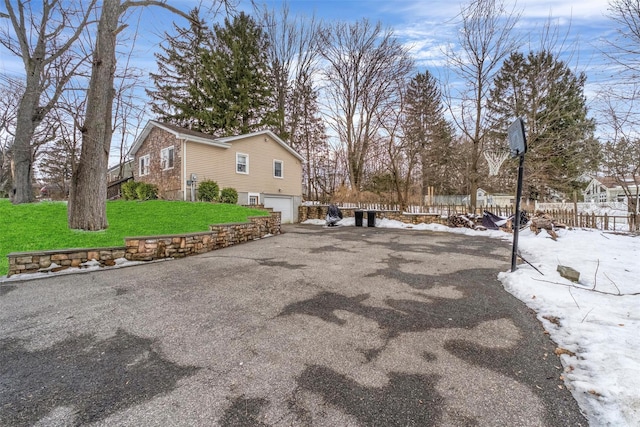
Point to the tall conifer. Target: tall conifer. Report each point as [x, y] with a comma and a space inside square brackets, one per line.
[235, 78]
[560, 136]
[177, 96]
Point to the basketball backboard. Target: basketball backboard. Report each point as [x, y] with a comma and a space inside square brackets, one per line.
[517, 140]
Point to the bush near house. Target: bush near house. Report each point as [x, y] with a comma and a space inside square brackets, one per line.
[229, 195]
[146, 191]
[129, 190]
[132, 190]
[208, 191]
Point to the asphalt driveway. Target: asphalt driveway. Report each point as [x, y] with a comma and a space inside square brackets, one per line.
[345, 326]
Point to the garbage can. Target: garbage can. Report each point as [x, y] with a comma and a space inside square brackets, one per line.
[371, 218]
[359, 215]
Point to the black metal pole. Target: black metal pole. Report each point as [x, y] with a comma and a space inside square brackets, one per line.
[516, 229]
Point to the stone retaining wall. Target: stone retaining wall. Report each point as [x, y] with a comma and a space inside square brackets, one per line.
[320, 212]
[147, 248]
[219, 236]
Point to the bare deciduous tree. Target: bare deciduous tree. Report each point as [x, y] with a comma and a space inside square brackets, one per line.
[626, 46]
[87, 200]
[129, 111]
[41, 37]
[364, 65]
[621, 152]
[10, 94]
[485, 39]
[292, 56]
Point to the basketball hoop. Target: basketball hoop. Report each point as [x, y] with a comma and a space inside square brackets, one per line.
[495, 159]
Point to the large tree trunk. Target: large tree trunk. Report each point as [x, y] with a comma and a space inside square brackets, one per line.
[22, 150]
[28, 118]
[87, 201]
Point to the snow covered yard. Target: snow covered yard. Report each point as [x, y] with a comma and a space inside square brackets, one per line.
[595, 322]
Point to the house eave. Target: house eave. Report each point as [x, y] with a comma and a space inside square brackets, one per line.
[178, 135]
[267, 133]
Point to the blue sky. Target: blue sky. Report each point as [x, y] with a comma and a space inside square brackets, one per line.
[425, 27]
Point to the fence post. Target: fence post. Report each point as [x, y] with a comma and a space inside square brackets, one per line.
[606, 222]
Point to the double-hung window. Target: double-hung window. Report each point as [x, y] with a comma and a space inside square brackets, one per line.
[143, 164]
[167, 158]
[242, 163]
[278, 169]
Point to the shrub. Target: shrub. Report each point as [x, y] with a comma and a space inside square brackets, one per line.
[129, 190]
[229, 195]
[208, 191]
[146, 191]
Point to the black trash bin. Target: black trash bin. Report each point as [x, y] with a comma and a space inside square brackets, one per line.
[371, 218]
[359, 215]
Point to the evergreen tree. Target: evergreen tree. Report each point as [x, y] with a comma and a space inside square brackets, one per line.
[235, 78]
[426, 128]
[560, 136]
[178, 94]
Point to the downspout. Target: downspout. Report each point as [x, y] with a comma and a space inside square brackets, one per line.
[184, 170]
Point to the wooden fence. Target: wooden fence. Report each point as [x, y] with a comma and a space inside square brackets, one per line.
[600, 222]
[569, 217]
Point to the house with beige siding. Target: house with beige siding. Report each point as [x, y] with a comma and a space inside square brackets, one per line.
[262, 168]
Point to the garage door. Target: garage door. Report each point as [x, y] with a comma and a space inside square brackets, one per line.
[284, 205]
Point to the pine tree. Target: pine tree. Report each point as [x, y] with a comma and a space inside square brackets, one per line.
[560, 136]
[427, 129]
[178, 94]
[235, 79]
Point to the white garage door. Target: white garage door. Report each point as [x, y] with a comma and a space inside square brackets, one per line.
[284, 205]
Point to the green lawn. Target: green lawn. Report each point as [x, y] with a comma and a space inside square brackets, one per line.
[43, 226]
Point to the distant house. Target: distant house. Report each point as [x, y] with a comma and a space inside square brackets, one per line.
[486, 199]
[116, 176]
[606, 189]
[261, 167]
[118, 172]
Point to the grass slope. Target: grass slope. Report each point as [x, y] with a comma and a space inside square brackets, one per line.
[43, 226]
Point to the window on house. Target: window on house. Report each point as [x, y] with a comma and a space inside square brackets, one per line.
[144, 165]
[242, 163]
[254, 199]
[277, 168]
[167, 158]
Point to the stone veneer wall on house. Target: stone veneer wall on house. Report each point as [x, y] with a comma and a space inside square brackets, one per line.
[168, 180]
[148, 248]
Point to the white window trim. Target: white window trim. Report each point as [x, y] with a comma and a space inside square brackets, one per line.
[281, 169]
[246, 156]
[146, 160]
[164, 155]
[256, 195]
